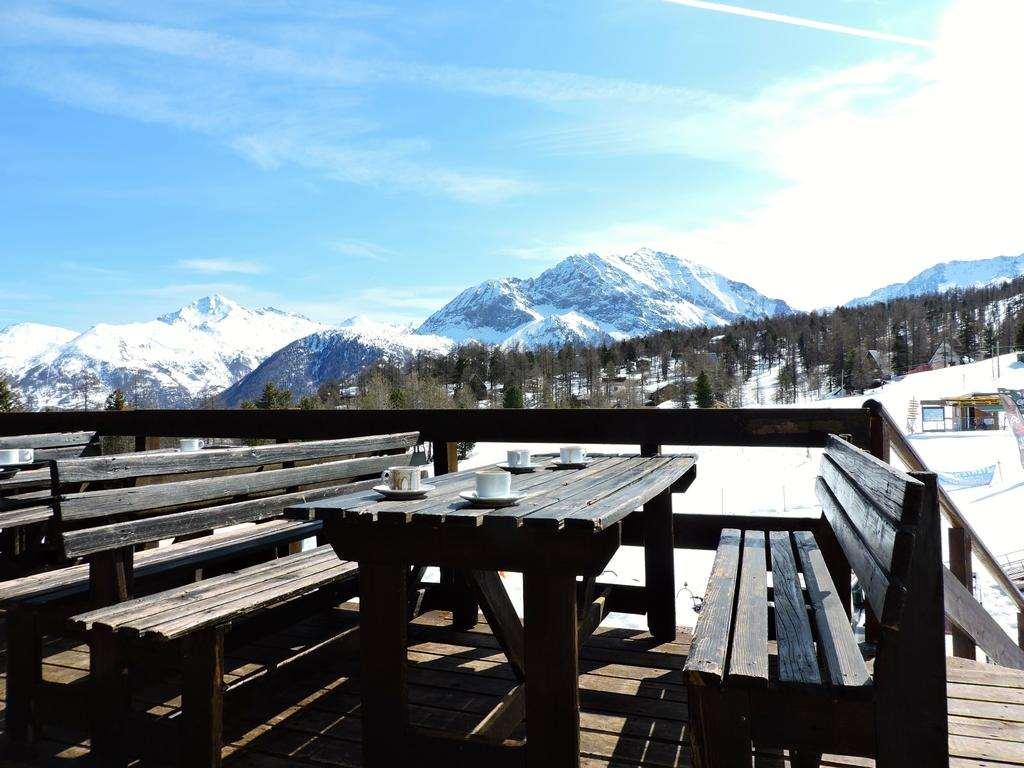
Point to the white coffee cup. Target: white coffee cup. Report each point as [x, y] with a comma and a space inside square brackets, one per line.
[519, 457]
[12, 456]
[191, 444]
[572, 454]
[403, 478]
[493, 484]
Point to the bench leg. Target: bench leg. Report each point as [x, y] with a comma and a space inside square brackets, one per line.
[719, 728]
[24, 672]
[111, 694]
[202, 699]
[659, 566]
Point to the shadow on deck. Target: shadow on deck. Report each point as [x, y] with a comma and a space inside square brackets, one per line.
[632, 693]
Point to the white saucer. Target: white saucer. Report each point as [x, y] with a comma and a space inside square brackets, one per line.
[559, 464]
[391, 493]
[519, 470]
[492, 501]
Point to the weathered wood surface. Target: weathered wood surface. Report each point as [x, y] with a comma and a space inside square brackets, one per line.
[74, 580]
[87, 540]
[157, 463]
[804, 427]
[748, 662]
[798, 663]
[121, 501]
[844, 663]
[707, 660]
[221, 600]
[971, 618]
[46, 440]
[887, 486]
[588, 499]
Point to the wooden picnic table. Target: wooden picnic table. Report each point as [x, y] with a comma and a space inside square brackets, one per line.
[568, 525]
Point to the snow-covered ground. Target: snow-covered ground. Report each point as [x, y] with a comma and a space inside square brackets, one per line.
[781, 481]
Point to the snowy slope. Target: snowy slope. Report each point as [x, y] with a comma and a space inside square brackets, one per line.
[23, 344]
[198, 350]
[334, 355]
[589, 296]
[949, 275]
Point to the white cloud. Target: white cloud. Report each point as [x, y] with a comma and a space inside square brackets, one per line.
[360, 249]
[218, 266]
[884, 169]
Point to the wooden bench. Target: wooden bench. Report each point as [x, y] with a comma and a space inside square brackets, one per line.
[190, 495]
[774, 661]
[24, 505]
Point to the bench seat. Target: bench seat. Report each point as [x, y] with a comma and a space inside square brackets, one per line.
[73, 580]
[816, 647]
[175, 613]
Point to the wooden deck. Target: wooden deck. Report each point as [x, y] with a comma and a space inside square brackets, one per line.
[633, 699]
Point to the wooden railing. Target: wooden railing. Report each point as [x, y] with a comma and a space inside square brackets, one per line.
[972, 625]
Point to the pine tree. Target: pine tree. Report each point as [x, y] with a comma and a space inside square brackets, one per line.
[968, 336]
[310, 403]
[513, 397]
[900, 351]
[116, 401]
[702, 393]
[273, 399]
[1018, 338]
[8, 398]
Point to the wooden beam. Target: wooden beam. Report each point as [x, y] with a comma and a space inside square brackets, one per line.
[795, 427]
[501, 721]
[970, 617]
[960, 565]
[505, 623]
[697, 531]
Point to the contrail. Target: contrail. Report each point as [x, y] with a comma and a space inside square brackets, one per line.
[796, 21]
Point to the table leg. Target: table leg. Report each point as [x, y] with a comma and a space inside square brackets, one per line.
[552, 676]
[383, 613]
[659, 566]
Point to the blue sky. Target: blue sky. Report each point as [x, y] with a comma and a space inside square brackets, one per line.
[337, 158]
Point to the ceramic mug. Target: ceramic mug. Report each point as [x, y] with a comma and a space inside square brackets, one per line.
[191, 444]
[519, 457]
[572, 454]
[403, 478]
[11, 456]
[493, 484]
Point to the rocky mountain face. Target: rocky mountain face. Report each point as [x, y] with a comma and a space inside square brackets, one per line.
[333, 355]
[947, 276]
[194, 352]
[590, 298]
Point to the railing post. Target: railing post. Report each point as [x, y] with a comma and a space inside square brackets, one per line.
[463, 604]
[878, 446]
[960, 565]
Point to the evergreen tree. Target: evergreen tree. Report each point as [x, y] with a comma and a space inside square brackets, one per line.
[310, 403]
[1018, 338]
[273, 399]
[513, 397]
[8, 398]
[968, 335]
[116, 401]
[702, 393]
[900, 351]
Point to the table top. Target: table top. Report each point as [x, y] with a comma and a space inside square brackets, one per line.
[592, 498]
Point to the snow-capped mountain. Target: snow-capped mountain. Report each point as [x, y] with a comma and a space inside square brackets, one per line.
[196, 351]
[950, 275]
[24, 344]
[334, 355]
[587, 298]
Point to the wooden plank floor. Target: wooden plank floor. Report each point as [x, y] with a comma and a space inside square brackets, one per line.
[633, 700]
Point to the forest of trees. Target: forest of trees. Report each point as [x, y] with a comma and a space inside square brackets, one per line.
[809, 354]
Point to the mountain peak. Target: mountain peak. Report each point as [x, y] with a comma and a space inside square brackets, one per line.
[587, 297]
[215, 306]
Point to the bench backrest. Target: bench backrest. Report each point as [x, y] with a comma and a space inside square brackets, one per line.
[873, 509]
[189, 493]
[55, 445]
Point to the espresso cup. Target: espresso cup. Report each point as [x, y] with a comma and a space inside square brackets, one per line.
[493, 484]
[572, 454]
[403, 478]
[11, 456]
[191, 444]
[519, 457]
